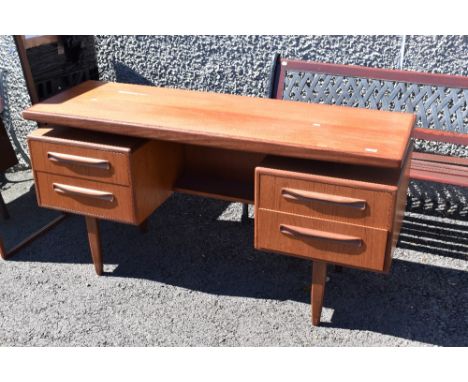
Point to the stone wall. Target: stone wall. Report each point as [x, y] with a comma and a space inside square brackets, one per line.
[16, 98]
[235, 64]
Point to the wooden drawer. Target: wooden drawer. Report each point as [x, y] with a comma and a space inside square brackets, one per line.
[101, 200]
[102, 175]
[318, 239]
[84, 155]
[326, 193]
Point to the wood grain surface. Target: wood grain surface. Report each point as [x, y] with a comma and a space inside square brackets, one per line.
[271, 195]
[116, 173]
[94, 238]
[319, 278]
[370, 256]
[120, 208]
[287, 128]
[139, 176]
[399, 208]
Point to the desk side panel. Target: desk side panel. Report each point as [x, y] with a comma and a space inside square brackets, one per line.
[400, 207]
[155, 168]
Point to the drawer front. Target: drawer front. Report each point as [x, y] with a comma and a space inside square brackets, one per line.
[325, 200]
[317, 239]
[101, 200]
[86, 163]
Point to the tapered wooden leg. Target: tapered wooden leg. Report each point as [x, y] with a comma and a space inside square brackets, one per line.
[319, 275]
[3, 208]
[144, 226]
[3, 253]
[94, 238]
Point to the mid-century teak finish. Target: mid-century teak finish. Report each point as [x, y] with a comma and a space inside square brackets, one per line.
[102, 176]
[338, 213]
[328, 183]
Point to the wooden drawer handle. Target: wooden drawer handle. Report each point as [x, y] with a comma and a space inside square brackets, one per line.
[310, 196]
[80, 191]
[77, 160]
[307, 233]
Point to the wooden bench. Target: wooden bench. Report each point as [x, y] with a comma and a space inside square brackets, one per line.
[440, 102]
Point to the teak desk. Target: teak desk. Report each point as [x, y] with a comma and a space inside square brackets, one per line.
[328, 183]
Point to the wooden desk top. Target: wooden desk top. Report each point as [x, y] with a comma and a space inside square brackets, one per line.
[287, 128]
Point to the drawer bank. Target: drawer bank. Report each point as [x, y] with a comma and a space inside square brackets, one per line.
[328, 183]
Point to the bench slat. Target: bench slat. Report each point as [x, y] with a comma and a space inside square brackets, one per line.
[440, 159]
[440, 136]
[439, 178]
[452, 170]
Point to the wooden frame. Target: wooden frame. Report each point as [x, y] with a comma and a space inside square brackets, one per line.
[368, 72]
[22, 44]
[6, 254]
[35, 41]
[23, 56]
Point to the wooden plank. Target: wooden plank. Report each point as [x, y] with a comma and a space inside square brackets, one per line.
[311, 131]
[433, 171]
[429, 175]
[4, 254]
[35, 41]
[378, 73]
[23, 56]
[440, 168]
[440, 136]
[440, 158]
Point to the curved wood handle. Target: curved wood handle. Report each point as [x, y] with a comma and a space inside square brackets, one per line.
[310, 196]
[307, 233]
[80, 191]
[78, 160]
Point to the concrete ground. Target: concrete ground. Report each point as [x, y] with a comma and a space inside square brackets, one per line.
[194, 279]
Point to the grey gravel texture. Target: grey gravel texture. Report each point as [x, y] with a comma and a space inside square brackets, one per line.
[195, 280]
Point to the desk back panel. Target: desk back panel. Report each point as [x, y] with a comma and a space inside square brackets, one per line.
[218, 173]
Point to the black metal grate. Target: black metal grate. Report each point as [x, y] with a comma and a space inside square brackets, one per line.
[436, 107]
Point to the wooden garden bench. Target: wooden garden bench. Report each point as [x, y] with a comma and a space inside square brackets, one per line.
[439, 101]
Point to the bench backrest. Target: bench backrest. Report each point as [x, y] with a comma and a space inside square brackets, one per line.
[440, 101]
